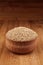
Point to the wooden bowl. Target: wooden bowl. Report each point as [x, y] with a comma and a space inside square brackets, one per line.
[21, 40]
[21, 47]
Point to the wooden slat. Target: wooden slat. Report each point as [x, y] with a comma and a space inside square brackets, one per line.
[2, 36]
[22, 4]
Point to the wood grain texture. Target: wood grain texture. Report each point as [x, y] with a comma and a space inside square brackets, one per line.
[11, 17]
[9, 58]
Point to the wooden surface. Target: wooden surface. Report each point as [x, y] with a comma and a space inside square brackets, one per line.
[11, 17]
[9, 58]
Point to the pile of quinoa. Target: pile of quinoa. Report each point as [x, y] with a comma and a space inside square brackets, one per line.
[21, 34]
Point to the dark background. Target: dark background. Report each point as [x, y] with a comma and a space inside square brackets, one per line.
[28, 1]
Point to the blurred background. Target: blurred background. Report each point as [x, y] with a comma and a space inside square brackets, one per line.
[14, 13]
